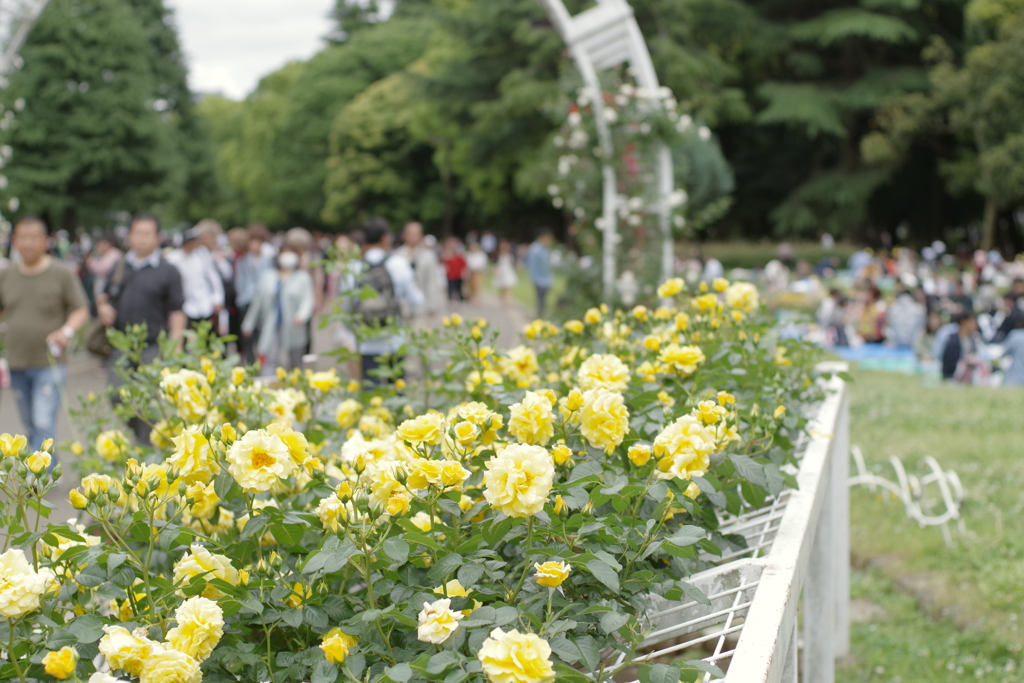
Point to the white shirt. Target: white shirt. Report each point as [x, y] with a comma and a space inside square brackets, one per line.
[200, 281]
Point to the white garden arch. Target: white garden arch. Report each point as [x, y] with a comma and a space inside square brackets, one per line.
[598, 39]
[17, 17]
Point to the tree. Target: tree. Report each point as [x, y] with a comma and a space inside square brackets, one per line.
[973, 106]
[88, 140]
[196, 182]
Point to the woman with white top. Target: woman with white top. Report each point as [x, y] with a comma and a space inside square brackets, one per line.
[281, 309]
[505, 277]
[476, 264]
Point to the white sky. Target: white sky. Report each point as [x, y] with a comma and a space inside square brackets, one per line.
[231, 44]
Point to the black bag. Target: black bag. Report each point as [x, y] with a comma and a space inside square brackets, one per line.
[376, 310]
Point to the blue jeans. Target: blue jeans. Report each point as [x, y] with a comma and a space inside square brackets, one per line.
[38, 391]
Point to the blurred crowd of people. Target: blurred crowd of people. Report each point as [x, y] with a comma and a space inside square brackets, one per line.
[961, 315]
[265, 289]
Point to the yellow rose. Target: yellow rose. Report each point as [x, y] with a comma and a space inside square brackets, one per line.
[515, 657]
[640, 313]
[425, 429]
[639, 454]
[237, 376]
[551, 573]
[259, 460]
[12, 445]
[559, 505]
[453, 473]
[684, 359]
[111, 444]
[647, 372]
[592, 316]
[20, 585]
[489, 377]
[665, 399]
[204, 501]
[336, 645]
[200, 562]
[604, 419]
[189, 392]
[124, 650]
[38, 462]
[532, 330]
[192, 456]
[703, 287]
[682, 321]
[437, 621]
[532, 419]
[518, 480]
[160, 435]
[200, 627]
[561, 454]
[324, 381]
[671, 287]
[710, 412]
[466, 433]
[663, 313]
[167, 665]
[574, 400]
[77, 448]
[348, 412]
[706, 302]
[77, 500]
[684, 448]
[742, 296]
[719, 284]
[604, 370]
[520, 364]
[295, 442]
[652, 342]
[332, 512]
[725, 398]
[61, 663]
[574, 326]
[779, 412]
[465, 503]
[422, 521]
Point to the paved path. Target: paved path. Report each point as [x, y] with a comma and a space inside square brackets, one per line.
[85, 374]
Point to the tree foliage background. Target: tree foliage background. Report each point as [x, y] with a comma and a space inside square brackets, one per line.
[853, 117]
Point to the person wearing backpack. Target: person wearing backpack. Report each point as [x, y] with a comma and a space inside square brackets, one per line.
[392, 277]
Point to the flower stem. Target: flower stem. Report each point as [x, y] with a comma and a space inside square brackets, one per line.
[526, 557]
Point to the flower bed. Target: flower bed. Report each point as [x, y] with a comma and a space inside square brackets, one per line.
[507, 517]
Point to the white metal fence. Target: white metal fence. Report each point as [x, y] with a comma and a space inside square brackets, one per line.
[797, 544]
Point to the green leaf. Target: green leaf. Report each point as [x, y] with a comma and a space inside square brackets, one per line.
[584, 470]
[445, 566]
[687, 535]
[613, 621]
[505, 615]
[440, 662]
[776, 483]
[749, 470]
[288, 534]
[86, 628]
[420, 539]
[663, 673]
[399, 673]
[605, 574]
[324, 672]
[706, 667]
[331, 558]
[694, 593]
[397, 550]
[590, 651]
[595, 609]
[567, 674]
[469, 574]
[853, 22]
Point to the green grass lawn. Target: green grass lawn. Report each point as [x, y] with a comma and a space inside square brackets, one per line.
[975, 588]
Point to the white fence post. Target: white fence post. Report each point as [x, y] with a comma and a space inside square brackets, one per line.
[819, 595]
[841, 528]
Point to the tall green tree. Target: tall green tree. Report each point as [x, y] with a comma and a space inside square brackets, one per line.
[196, 182]
[89, 140]
[970, 114]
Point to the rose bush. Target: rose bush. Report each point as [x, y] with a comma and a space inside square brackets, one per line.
[504, 517]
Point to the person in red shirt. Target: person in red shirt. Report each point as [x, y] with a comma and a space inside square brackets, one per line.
[455, 269]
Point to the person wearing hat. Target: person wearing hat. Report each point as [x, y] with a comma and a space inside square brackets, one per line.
[200, 280]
